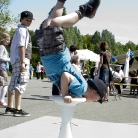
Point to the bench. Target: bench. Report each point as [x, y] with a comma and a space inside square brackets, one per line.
[121, 84]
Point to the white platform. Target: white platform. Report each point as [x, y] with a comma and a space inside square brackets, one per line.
[48, 127]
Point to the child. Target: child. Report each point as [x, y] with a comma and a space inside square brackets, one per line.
[4, 41]
[20, 55]
[133, 81]
[55, 55]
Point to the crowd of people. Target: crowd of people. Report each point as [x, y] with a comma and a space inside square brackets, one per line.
[61, 64]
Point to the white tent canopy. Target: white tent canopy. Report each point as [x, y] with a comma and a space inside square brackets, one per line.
[85, 54]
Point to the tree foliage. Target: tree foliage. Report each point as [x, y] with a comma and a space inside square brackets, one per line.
[96, 39]
[71, 35]
[5, 14]
[110, 39]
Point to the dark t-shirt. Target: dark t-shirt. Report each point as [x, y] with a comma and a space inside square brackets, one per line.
[106, 57]
[133, 80]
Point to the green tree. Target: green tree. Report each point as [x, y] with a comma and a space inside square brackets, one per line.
[32, 34]
[137, 47]
[6, 18]
[96, 40]
[34, 60]
[11, 32]
[72, 37]
[130, 45]
[120, 48]
[78, 41]
[87, 42]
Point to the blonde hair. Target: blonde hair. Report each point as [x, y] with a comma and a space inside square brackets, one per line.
[3, 37]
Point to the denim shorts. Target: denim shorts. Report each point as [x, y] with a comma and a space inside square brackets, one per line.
[56, 64]
[104, 75]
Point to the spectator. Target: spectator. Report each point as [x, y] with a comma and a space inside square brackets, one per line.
[20, 55]
[105, 57]
[118, 78]
[42, 72]
[31, 70]
[38, 70]
[4, 58]
[73, 50]
[133, 81]
[76, 62]
[84, 70]
[92, 72]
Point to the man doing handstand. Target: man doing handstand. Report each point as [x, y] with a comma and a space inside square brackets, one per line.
[55, 55]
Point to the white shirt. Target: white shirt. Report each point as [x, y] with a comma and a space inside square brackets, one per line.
[4, 54]
[118, 74]
[38, 68]
[4, 57]
[20, 38]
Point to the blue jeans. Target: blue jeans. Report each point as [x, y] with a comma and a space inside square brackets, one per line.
[104, 75]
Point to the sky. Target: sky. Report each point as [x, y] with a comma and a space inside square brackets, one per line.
[120, 17]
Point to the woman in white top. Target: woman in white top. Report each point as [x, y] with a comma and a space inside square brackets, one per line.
[4, 58]
[38, 70]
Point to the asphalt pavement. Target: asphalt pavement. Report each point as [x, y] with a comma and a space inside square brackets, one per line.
[36, 101]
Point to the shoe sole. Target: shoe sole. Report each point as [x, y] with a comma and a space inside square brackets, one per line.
[18, 115]
[8, 114]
